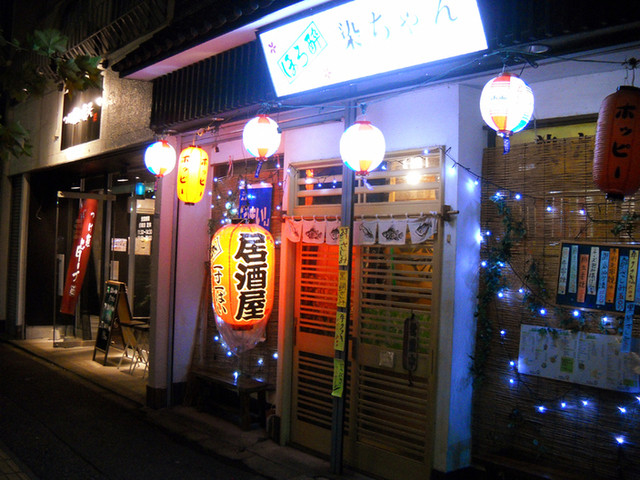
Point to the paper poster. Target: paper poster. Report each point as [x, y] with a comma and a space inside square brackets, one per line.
[338, 377]
[342, 289]
[340, 335]
[578, 357]
[343, 249]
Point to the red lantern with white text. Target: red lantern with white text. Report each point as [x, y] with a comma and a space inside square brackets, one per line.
[362, 147]
[242, 274]
[192, 174]
[506, 104]
[160, 158]
[616, 159]
[261, 137]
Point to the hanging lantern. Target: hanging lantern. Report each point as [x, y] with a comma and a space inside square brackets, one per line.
[362, 147]
[192, 174]
[506, 104]
[261, 138]
[160, 158]
[616, 159]
[242, 274]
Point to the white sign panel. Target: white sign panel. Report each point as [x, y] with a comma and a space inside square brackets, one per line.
[578, 357]
[366, 37]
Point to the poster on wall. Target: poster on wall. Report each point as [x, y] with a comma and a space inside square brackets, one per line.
[598, 277]
[255, 203]
[578, 357]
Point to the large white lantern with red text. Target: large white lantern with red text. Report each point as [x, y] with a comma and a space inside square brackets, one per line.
[506, 104]
[362, 147]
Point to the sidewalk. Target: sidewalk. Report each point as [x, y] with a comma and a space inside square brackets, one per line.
[11, 468]
[202, 431]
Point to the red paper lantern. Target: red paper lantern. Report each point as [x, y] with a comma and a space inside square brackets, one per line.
[242, 274]
[616, 159]
[192, 174]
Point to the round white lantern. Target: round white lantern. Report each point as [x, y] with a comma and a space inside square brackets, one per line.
[506, 104]
[160, 158]
[261, 137]
[362, 147]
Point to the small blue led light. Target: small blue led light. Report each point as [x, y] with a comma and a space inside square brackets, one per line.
[503, 332]
[500, 294]
[229, 353]
[275, 355]
[517, 196]
[512, 363]
[549, 208]
[543, 311]
[483, 263]
[620, 439]
[576, 313]
[541, 408]
[585, 403]
[622, 409]
[521, 290]
[512, 381]
[563, 405]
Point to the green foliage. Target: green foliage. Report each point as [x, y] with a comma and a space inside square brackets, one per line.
[626, 224]
[23, 76]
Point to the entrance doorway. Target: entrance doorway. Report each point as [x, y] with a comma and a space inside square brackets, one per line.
[389, 404]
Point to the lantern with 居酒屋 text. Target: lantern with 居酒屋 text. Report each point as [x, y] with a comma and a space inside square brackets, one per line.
[616, 158]
[192, 174]
[362, 147]
[261, 137]
[506, 105]
[160, 158]
[242, 274]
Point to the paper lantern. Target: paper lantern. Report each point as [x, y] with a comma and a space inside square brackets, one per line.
[192, 174]
[616, 159]
[261, 137]
[362, 147]
[160, 158]
[506, 104]
[242, 274]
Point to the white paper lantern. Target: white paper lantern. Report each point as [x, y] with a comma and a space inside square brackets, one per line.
[160, 158]
[362, 147]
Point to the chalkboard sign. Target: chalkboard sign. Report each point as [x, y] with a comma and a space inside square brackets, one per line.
[115, 309]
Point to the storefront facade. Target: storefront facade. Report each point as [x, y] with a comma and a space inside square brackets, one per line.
[400, 423]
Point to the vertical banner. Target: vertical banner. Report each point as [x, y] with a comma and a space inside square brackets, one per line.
[79, 255]
[255, 204]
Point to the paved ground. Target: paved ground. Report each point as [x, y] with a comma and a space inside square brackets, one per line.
[63, 416]
[60, 427]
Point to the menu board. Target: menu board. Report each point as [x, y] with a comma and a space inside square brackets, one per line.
[578, 357]
[115, 308]
[600, 277]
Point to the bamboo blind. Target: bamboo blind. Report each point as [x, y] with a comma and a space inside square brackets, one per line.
[559, 202]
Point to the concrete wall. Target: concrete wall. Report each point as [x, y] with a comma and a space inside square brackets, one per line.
[126, 112]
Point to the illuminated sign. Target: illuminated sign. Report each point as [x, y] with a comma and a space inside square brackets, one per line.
[81, 117]
[366, 37]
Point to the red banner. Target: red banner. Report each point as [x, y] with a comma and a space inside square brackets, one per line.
[79, 255]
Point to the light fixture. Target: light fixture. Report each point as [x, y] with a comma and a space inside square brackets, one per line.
[261, 137]
[362, 147]
[160, 158]
[615, 167]
[506, 104]
[192, 174]
[242, 274]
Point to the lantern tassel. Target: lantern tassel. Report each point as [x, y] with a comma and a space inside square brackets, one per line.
[507, 144]
[258, 168]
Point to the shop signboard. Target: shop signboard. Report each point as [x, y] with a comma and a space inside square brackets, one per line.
[361, 38]
[81, 117]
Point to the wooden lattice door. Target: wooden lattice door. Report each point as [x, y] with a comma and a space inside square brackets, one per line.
[388, 430]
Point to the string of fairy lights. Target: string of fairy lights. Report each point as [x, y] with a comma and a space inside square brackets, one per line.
[574, 396]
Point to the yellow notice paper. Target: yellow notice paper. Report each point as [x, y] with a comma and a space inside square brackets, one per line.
[341, 321]
[343, 249]
[342, 288]
[338, 377]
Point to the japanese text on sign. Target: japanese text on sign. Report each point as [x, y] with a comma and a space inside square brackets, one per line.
[362, 38]
[252, 275]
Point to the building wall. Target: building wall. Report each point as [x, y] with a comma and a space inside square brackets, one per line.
[125, 121]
